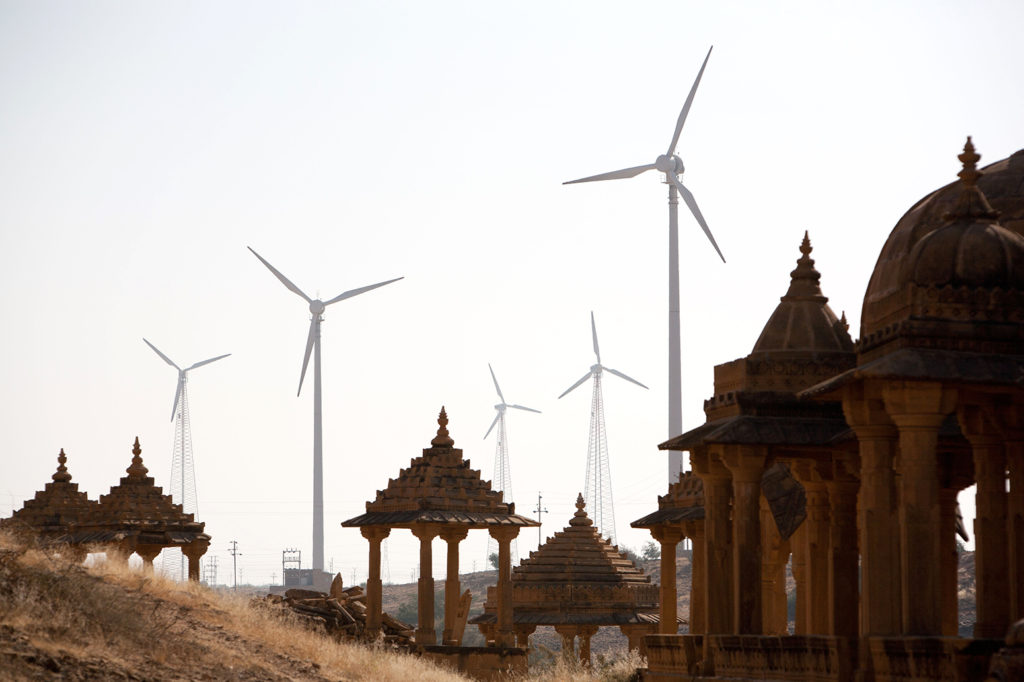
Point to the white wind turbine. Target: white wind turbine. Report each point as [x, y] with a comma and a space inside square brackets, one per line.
[672, 166]
[316, 309]
[598, 486]
[502, 471]
[183, 473]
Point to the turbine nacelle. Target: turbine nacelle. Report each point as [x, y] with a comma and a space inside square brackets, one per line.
[669, 164]
[317, 307]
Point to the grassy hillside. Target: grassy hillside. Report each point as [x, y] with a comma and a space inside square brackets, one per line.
[62, 621]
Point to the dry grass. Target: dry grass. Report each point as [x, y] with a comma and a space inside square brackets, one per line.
[60, 620]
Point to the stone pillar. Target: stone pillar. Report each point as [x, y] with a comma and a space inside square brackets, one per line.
[843, 560]
[374, 588]
[798, 543]
[717, 541]
[148, 553]
[818, 549]
[949, 562]
[425, 597]
[452, 589]
[504, 536]
[880, 601]
[523, 633]
[746, 464]
[698, 577]
[194, 551]
[774, 555]
[1015, 527]
[585, 633]
[635, 636]
[668, 537]
[918, 409]
[990, 530]
[568, 635]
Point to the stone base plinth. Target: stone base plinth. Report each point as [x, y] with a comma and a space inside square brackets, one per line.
[796, 658]
[478, 662]
[909, 659]
[674, 657]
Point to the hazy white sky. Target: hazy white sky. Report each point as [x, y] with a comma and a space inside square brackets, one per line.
[144, 145]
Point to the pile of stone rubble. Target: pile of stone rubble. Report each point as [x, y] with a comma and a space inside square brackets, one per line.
[341, 613]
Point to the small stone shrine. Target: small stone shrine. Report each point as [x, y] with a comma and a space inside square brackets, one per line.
[578, 581]
[440, 495]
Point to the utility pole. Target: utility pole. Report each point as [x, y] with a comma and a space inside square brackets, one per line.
[538, 511]
[234, 562]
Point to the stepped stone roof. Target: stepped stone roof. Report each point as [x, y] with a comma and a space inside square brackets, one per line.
[578, 577]
[138, 508]
[56, 508]
[439, 487]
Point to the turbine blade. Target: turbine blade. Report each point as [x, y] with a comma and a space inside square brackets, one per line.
[620, 374]
[309, 349]
[284, 280]
[206, 362]
[585, 377]
[361, 290]
[593, 328]
[166, 359]
[496, 418]
[615, 175]
[521, 407]
[692, 203]
[177, 394]
[496, 386]
[686, 106]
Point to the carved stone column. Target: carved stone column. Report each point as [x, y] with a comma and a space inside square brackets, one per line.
[843, 559]
[523, 633]
[990, 531]
[635, 636]
[876, 511]
[425, 596]
[568, 635]
[798, 544]
[774, 556]
[698, 577]
[918, 409]
[374, 588]
[1011, 424]
[452, 589]
[949, 562]
[668, 537]
[504, 536]
[585, 633]
[818, 549]
[717, 541]
[194, 551]
[746, 464]
[148, 553]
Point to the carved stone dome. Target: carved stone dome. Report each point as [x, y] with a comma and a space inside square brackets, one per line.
[1002, 184]
[803, 321]
[955, 285]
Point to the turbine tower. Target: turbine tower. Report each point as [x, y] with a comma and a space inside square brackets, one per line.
[502, 473]
[183, 472]
[671, 165]
[316, 309]
[598, 487]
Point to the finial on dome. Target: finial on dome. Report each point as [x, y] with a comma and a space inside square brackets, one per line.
[804, 280]
[137, 469]
[972, 202]
[580, 518]
[842, 321]
[442, 439]
[62, 475]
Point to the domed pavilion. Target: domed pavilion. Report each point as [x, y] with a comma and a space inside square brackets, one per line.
[882, 435]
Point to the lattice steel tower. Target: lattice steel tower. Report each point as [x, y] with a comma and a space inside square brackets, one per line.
[598, 486]
[183, 472]
[502, 471]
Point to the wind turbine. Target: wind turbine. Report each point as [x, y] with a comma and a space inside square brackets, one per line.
[502, 472]
[316, 309]
[183, 473]
[598, 486]
[671, 165]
